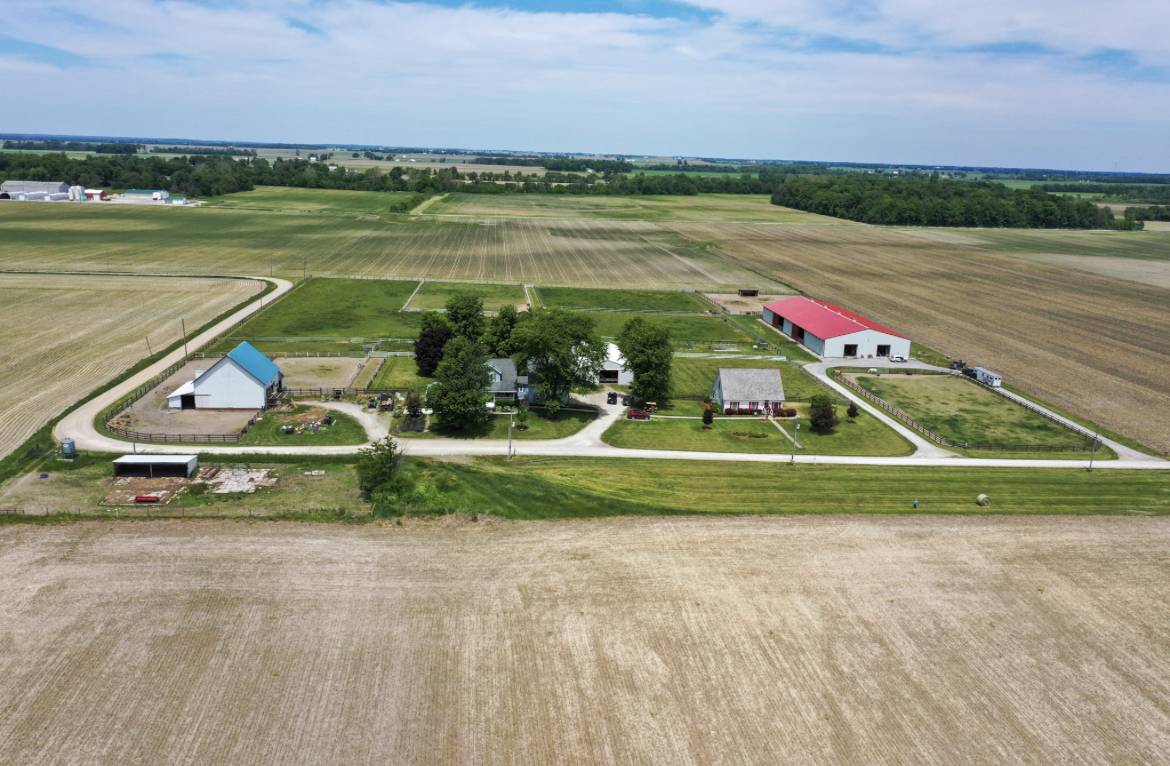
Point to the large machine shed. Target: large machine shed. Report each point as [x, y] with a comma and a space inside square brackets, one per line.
[833, 332]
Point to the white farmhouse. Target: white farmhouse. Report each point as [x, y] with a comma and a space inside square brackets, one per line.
[245, 379]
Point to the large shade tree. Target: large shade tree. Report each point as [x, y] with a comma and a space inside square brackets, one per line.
[560, 348]
[460, 396]
[646, 347]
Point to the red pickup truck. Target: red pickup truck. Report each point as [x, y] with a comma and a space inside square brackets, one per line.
[638, 415]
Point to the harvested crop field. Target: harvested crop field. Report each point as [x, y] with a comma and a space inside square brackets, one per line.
[62, 336]
[732, 640]
[1087, 343]
[219, 241]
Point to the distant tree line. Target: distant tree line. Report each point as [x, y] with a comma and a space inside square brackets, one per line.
[562, 164]
[206, 151]
[931, 201]
[73, 146]
[1151, 213]
[1126, 192]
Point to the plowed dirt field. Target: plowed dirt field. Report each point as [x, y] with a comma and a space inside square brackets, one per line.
[834, 640]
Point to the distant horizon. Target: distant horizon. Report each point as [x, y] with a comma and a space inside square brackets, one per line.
[1054, 84]
[488, 151]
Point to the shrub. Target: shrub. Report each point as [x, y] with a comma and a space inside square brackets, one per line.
[822, 414]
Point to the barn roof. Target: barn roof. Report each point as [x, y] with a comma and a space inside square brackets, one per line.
[254, 363]
[823, 319]
[751, 384]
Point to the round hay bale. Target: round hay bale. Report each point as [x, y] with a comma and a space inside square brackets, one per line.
[982, 500]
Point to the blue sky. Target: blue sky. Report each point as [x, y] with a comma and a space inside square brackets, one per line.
[1041, 83]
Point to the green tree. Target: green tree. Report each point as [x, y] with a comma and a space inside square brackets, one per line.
[708, 417]
[560, 348]
[852, 412]
[378, 465]
[822, 414]
[646, 347]
[460, 395]
[465, 315]
[498, 335]
[432, 339]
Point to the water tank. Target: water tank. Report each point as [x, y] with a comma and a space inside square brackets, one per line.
[68, 448]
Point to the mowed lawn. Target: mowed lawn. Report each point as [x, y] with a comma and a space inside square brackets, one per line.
[866, 436]
[622, 300]
[434, 295]
[539, 487]
[330, 310]
[962, 410]
[291, 199]
[540, 426]
[686, 330]
[699, 207]
[399, 372]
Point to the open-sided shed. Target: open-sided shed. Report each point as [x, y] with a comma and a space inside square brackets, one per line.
[155, 466]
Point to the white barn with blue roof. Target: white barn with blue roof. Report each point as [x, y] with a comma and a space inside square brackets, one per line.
[245, 379]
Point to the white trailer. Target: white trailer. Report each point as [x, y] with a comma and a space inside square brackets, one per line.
[988, 378]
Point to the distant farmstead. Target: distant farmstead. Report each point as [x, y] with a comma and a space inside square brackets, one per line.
[39, 187]
[245, 379]
[748, 391]
[831, 331]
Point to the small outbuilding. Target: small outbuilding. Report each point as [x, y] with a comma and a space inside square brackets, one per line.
[157, 466]
[245, 379]
[831, 331]
[614, 370]
[748, 292]
[748, 390]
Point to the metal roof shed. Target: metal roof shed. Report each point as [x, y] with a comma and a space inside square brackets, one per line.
[154, 466]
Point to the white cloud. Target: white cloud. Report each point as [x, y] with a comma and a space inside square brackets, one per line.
[417, 74]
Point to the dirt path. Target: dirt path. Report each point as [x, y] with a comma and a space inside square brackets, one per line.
[422, 206]
[811, 640]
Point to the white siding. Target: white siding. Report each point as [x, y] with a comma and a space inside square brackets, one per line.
[867, 342]
[227, 386]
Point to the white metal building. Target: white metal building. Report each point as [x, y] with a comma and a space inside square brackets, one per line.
[245, 379]
[831, 331]
[34, 187]
[614, 370]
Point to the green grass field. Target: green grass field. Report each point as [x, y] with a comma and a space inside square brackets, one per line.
[246, 242]
[399, 372]
[866, 436]
[964, 411]
[345, 430]
[294, 200]
[664, 208]
[693, 377]
[622, 300]
[434, 295]
[540, 426]
[686, 331]
[542, 488]
[322, 312]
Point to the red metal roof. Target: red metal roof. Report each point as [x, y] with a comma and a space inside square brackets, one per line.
[822, 319]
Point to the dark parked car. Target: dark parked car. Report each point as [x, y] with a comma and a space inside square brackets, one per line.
[611, 397]
[627, 400]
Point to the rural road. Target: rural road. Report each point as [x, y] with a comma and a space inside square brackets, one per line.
[79, 425]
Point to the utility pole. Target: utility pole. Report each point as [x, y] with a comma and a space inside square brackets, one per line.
[1093, 450]
[795, 433]
[183, 323]
[305, 269]
[149, 350]
[511, 424]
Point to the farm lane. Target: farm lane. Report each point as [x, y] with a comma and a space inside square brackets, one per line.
[79, 424]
